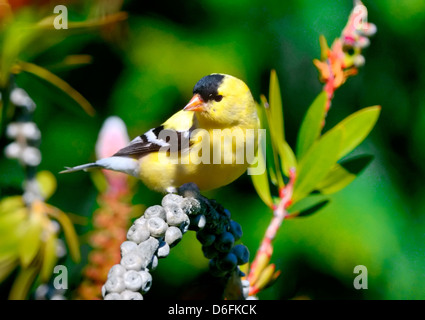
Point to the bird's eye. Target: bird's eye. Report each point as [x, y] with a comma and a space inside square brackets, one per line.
[218, 98]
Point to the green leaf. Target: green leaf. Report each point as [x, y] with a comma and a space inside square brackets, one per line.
[70, 234]
[261, 182]
[277, 131]
[49, 258]
[62, 85]
[311, 125]
[9, 245]
[272, 152]
[324, 48]
[30, 242]
[23, 282]
[7, 266]
[275, 120]
[356, 128]
[10, 204]
[9, 233]
[288, 159]
[275, 103]
[69, 62]
[15, 40]
[343, 174]
[11, 220]
[316, 163]
[261, 108]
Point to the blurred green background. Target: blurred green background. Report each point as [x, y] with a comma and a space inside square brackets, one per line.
[147, 72]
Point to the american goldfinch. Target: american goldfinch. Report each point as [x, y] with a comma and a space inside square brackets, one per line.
[205, 143]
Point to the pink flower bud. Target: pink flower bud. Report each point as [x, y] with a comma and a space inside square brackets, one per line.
[112, 137]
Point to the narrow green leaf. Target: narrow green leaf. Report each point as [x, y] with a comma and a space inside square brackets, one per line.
[261, 111]
[9, 221]
[275, 103]
[49, 257]
[271, 169]
[343, 174]
[10, 204]
[337, 179]
[69, 62]
[10, 235]
[30, 242]
[356, 128]
[272, 151]
[261, 182]
[15, 39]
[7, 266]
[23, 283]
[288, 159]
[324, 48]
[316, 164]
[53, 79]
[264, 114]
[9, 245]
[311, 125]
[277, 131]
[70, 234]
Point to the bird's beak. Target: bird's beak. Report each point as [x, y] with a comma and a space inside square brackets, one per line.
[195, 104]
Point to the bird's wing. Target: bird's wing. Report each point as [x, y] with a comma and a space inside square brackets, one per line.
[173, 136]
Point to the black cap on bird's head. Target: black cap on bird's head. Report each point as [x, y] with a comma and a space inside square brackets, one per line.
[205, 90]
[207, 87]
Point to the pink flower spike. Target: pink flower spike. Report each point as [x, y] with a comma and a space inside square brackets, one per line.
[369, 29]
[112, 137]
[356, 21]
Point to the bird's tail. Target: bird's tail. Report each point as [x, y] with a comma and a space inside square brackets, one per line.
[81, 167]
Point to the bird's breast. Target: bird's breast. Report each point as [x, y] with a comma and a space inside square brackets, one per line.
[215, 158]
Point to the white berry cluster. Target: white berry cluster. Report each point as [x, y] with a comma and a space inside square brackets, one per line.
[26, 139]
[161, 227]
[24, 132]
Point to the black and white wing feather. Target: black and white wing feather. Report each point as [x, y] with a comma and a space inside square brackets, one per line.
[154, 140]
[126, 159]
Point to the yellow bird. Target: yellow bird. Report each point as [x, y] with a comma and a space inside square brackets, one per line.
[208, 142]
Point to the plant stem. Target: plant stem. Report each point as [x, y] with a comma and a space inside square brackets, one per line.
[266, 248]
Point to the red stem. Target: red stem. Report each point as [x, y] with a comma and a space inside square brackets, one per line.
[279, 214]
